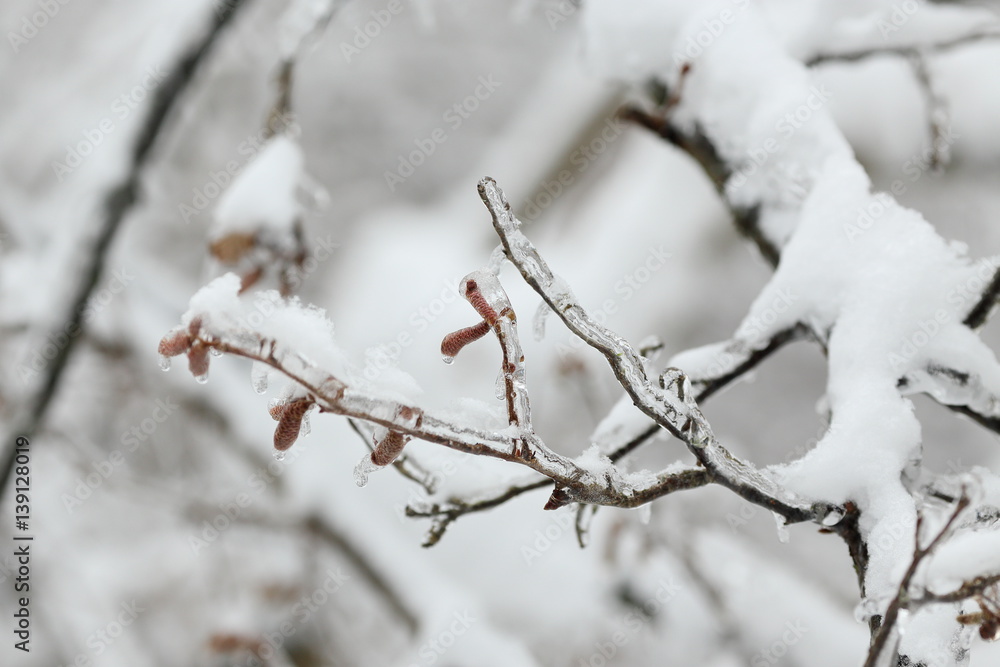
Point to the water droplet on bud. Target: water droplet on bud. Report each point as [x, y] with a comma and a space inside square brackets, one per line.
[279, 455]
[164, 363]
[448, 360]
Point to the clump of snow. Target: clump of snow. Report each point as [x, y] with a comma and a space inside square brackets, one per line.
[856, 267]
[476, 413]
[304, 334]
[263, 195]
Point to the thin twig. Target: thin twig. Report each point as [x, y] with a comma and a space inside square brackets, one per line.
[902, 598]
[904, 51]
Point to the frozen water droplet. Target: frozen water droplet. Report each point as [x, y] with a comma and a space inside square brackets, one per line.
[865, 610]
[305, 428]
[500, 388]
[201, 379]
[783, 535]
[258, 377]
[363, 469]
[279, 455]
[539, 322]
[902, 619]
[645, 513]
[448, 360]
[215, 352]
[164, 363]
[497, 258]
[833, 517]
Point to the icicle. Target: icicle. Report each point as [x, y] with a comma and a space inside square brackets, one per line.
[258, 376]
[306, 427]
[539, 322]
[783, 535]
[645, 513]
[497, 258]
[278, 455]
[364, 468]
[164, 362]
[865, 610]
[902, 618]
[500, 388]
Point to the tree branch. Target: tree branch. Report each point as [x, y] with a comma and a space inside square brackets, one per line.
[118, 202]
[902, 599]
[672, 404]
[904, 51]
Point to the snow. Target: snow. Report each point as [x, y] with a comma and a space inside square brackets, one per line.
[392, 285]
[963, 558]
[304, 333]
[854, 263]
[263, 195]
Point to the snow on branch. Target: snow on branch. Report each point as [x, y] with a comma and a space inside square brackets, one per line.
[845, 258]
[297, 342]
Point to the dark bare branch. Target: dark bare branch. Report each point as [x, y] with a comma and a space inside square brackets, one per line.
[118, 203]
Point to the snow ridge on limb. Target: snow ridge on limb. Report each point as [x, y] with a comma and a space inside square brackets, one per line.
[892, 304]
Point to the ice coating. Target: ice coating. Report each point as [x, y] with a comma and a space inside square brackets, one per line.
[676, 413]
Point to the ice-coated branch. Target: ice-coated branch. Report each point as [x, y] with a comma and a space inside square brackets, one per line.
[222, 332]
[670, 403]
[735, 365]
[483, 291]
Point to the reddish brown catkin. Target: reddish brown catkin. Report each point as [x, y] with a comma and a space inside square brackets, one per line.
[277, 410]
[455, 341]
[174, 343]
[287, 431]
[478, 301]
[386, 451]
[198, 359]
